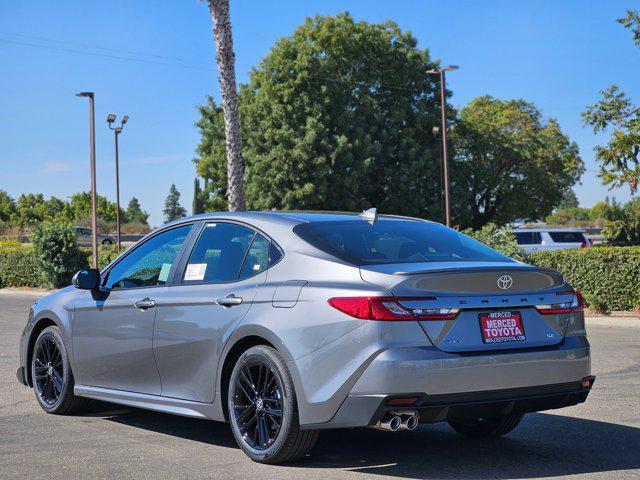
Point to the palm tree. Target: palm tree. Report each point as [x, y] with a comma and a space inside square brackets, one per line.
[225, 59]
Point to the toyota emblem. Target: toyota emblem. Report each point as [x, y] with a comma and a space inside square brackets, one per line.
[505, 282]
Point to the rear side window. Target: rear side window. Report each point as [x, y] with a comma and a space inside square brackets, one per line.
[394, 241]
[567, 237]
[528, 238]
[257, 259]
[218, 254]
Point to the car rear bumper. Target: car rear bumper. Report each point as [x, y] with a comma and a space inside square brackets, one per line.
[450, 386]
[367, 410]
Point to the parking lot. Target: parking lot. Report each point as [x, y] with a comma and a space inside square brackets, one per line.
[598, 439]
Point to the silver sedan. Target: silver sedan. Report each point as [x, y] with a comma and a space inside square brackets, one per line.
[284, 324]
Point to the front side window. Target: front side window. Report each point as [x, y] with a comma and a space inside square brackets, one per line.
[394, 241]
[528, 238]
[218, 254]
[149, 264]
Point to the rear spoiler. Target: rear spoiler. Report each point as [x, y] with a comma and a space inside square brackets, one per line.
[475, 269]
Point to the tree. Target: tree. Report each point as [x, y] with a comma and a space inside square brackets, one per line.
[197, 206]
[569, 199]
[225, 58]
[509, 163]
[80, 205]
[623, 223]
[135, 213]
[172, 208]
[7, 207]
[615, 113]
[337, 116]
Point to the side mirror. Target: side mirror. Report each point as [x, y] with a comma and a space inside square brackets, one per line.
[87, 279]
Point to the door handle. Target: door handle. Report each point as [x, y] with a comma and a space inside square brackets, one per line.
[229, 301]
[145, 304]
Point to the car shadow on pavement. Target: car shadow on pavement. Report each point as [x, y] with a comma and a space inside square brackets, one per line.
[544, 445]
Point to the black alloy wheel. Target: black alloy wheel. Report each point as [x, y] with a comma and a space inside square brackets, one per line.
[263, 410]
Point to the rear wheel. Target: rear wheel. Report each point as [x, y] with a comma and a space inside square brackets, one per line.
[106, 242]
[51, 375]
[263, 410]
[488, 427]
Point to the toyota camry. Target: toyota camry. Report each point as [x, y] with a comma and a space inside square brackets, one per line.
[286, 323]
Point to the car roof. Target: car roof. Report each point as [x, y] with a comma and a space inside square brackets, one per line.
[288, 217]
[543, 229]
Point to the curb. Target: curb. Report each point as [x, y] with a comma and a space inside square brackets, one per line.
[627, 321]
[34, 292]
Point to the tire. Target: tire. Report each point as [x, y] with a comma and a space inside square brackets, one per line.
[52, 376]
[107, 242]
[260, 388]
[488, 427]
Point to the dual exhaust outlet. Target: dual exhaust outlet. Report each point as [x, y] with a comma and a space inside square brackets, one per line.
[394, 421]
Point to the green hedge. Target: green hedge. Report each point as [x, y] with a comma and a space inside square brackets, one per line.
[608, 277]
[18, 267]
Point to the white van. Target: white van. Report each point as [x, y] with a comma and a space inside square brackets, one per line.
[536, 239]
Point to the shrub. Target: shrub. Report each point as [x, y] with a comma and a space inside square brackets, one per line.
[608, 277]
[56, 253]
[9, 244]
[18, 267]
[501, 239]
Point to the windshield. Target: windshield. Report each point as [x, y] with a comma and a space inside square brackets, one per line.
[394, 241]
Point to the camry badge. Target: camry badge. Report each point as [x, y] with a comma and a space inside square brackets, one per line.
[505, 282]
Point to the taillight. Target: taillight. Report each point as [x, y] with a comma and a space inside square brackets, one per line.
[389, 308]
[575, 305]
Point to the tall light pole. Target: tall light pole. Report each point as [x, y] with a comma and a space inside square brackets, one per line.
[117, 131]
[436, 131]
[445, 160]
[92, 142]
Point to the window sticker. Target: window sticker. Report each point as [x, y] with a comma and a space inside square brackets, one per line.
[195, 271]
[163, 276]
[256, 266]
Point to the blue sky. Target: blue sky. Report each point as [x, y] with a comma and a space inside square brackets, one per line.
[154, 60]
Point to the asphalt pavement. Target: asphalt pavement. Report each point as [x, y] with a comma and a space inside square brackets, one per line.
[597, 439]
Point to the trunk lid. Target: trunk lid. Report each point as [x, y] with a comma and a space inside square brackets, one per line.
[489, 295]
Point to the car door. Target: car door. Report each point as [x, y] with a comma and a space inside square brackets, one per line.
[216, 286]
[113, 327]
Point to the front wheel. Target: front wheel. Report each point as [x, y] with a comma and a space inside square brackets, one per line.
[51, 375]
[263, 411]
[107, 242]
[488, 427]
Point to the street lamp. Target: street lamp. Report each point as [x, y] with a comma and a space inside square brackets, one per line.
[436, 131]
[92, 141]
[117, 131]
[445, 161]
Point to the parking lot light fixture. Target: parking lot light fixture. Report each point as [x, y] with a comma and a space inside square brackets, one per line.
[117, 131]
[445, 160]
[92, 141]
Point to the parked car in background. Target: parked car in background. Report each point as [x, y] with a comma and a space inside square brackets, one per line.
[83, 237]
[536, 239]
[285, 324]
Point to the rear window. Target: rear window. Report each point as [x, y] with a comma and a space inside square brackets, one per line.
[394, 241]
[567, 237]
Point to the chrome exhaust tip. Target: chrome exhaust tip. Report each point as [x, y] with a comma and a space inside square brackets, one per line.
[391, 423]
[408, 422]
